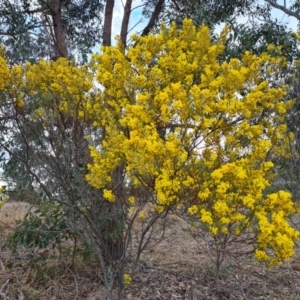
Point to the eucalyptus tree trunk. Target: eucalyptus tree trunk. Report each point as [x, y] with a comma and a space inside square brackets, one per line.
[125, 21]
[59, 37]
[108, 18]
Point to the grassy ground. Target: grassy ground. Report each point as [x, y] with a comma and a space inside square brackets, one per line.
[177, 268]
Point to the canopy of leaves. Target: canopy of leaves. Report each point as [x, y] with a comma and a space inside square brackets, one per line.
[209, 12]
[27, 34]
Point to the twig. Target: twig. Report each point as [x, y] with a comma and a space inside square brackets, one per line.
[2, 288]
[2, 265]
[5, 225]
[21, 296]
[284, 9]
[76, 284]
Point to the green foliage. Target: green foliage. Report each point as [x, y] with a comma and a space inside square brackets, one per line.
[43, 270]
[222, 273]
[208, 12]
[256, 38]
[42, 228]
[25, 26]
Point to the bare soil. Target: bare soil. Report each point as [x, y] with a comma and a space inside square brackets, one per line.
[177, 268]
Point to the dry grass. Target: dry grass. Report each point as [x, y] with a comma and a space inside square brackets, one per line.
[177, 268]
[11, 212]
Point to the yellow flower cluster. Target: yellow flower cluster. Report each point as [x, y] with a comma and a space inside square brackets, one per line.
[275, 237]
[4, 73]
[108, 194]
[3, 198]
[237, 199]
[127, 280]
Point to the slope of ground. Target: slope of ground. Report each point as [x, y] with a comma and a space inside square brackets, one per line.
[177, 268]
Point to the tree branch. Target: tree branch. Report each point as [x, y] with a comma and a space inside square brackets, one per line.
[284, 9]
[13, 34]
[60, 40]
[107, 28]
[176, 5]
[125, 21]
[2, 288]
[137, 7]
[38, 10]
[154, 17]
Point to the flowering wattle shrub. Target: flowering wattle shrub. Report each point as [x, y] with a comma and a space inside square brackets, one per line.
[192, 130]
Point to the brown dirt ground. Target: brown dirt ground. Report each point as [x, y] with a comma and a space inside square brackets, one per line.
[177, 268]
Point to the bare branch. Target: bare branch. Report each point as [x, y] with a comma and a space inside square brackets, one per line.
[76, 284]
[138, 6]
[125, 21]
[136, 24]
[13, 34]
[284, 9]
[2, 288]
[33, 11]
[176, 5]
[154, 17]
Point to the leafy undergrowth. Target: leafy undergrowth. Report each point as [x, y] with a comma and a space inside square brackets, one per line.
[177, 268]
